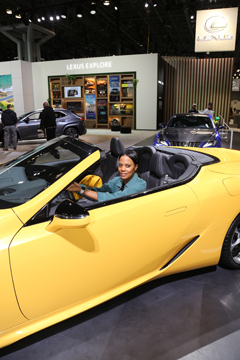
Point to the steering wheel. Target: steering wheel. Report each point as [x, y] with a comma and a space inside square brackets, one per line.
[68, 195]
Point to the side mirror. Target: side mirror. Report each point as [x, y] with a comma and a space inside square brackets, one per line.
[69, 215]
[26, 120]
[220, 127]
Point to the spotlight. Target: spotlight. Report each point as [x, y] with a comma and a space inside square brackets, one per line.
[191, 17]
[106, 2]
[9, 11]
[154, 3]
[93, 9]
[43, 17]
[39, 19]
[116, 8]
[63, 13]
[18, 15]
[79, 11]
[146, 4]
[51, 18]
[57, 14]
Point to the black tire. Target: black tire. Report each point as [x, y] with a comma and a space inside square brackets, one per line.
[230, 256]
[72, 131]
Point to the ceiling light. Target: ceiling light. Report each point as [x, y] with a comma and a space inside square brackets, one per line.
[192, 17]
[154, 3]
[235, 74]
[93, 8]
[63, 13]
[9, 11]
[106, 2]
[39, 19]
[115, 7]
[43, 18]
[51, 18]
[79, 11]
[146, 4]
[237, 77]
[58, 17]
[18, 16]
[238, 70]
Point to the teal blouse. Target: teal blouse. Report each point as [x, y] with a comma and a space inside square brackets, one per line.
[111, 190]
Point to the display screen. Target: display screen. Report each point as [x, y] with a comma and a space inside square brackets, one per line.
[72, 91]
[74, 106]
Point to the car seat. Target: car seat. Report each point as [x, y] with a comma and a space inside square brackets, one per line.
[177, 164]
[109, 165]
[158, 168]
[145, 154]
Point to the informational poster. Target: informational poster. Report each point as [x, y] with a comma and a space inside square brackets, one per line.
[6, 91]
[89, 85]
[90, 102]
[127, 88]
[114, 87]
[102, 88]
[235, 84]
[102, 111]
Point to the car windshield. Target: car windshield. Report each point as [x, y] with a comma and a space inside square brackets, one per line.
[203, 122]
[32, 172]
[25, 115]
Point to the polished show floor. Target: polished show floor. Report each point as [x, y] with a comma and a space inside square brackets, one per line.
[190, 316]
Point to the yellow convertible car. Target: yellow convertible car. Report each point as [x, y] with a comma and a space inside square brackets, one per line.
[60, 257]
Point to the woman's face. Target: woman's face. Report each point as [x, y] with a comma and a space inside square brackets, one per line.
[126, 168]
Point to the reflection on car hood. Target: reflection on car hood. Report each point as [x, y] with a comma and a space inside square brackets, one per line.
[187, 134]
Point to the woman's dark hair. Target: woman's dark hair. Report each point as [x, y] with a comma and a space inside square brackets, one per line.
[132, 155]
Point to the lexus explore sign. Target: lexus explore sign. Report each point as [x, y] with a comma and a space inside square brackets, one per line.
[216, 30]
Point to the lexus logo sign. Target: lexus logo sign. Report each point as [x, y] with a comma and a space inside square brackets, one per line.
[216, 30]
[215, 24]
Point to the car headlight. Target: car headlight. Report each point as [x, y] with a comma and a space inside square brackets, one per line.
[161, 142]
[210, 143]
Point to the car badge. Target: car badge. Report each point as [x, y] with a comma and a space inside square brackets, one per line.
[215, 24]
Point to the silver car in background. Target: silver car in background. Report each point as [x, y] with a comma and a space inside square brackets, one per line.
[68, 123]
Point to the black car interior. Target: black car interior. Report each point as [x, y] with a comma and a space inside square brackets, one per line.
[160, 169]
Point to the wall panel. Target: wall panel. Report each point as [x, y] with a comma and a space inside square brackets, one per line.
[198, 81]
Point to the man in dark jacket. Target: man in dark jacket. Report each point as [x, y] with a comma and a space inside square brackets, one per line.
[193, 109]
[9, 121]
[48, 121]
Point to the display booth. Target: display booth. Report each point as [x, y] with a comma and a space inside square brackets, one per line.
[99, 98]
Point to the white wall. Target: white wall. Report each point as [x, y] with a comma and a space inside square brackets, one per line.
[22, 86]
[30, 81]
[145, 67]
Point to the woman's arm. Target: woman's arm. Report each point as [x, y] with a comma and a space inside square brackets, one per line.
[89, 193]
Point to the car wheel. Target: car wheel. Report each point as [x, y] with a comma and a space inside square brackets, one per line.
[230, 256]
[71, 131]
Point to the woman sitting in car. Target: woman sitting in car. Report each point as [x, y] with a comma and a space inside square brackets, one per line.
[127, 183]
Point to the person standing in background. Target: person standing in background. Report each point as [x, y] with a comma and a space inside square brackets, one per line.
[48, 121]
[9, 121]
[208, 110]
[193, 109]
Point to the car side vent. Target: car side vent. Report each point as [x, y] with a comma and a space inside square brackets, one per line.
[179, 253]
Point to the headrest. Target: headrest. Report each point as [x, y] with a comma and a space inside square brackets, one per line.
[116, 147]
[148, 149]
[159, 165]
[178, 164]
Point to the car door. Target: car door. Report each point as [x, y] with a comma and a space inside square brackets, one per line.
[88, 260]
[29, 127]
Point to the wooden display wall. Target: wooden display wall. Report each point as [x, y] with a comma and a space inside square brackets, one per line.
[199, 81]
[99, 98]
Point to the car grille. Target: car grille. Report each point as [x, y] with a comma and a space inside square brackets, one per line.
[185, 143]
